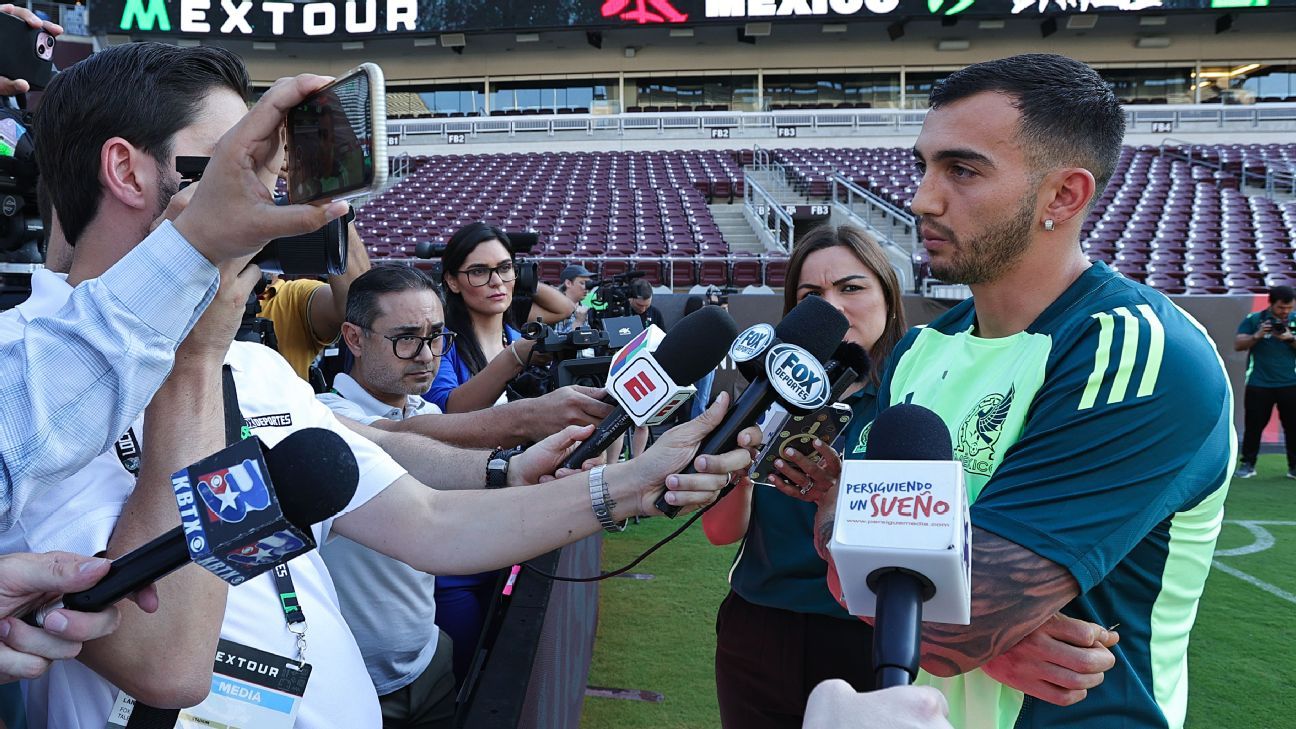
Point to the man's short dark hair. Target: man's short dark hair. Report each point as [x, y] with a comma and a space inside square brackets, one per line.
[363, 305]
[640, 289]
[141, 92]
[1069, 115]
[1281, 294]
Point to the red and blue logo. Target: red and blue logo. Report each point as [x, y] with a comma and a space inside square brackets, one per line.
[270, 550]
[231, 493]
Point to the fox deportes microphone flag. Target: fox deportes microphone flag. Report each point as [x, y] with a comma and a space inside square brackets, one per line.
[243, 510]
[902, 537]
[793, 354]
[647, 380]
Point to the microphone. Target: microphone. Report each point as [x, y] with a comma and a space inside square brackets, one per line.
[902, 537]
[849, 364]
[793, 353]
[781, 429]
[243, 510]
[652, 375]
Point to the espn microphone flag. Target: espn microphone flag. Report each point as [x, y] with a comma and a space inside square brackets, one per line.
[640, 384]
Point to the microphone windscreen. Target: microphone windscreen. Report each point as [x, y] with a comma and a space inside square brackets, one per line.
[851, 355]
[909, 433]
[314, 474]
[814, 325]
[696, 344]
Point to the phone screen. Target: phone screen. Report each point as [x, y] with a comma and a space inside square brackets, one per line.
[331, 141]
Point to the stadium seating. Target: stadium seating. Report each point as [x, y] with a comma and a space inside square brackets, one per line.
[623, 210]
[1179, 225]
[1178, 219]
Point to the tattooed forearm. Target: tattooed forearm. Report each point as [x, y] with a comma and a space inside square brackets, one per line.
[1014, 591]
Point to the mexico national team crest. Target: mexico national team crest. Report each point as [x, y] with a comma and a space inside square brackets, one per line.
[230, 493]
[978, 436]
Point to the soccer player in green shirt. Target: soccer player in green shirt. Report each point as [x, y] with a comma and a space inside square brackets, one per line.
[1267, 337]
[1092, 416]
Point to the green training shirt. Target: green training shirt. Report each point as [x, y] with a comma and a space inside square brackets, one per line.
[1101, 438]
[1271, 362]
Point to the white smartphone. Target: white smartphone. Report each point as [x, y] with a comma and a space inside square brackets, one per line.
[337, 139]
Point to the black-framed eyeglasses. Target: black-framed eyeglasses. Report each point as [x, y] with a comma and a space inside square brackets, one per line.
[481, 275]
[408, 346]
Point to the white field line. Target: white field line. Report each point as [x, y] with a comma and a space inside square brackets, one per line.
[1263, 540]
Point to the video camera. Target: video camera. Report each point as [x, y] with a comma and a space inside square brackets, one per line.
[612, 296]
[1275, 323]
[565, 366]
[322, 252]
[22, 234]
[719, 296]
[528, 271]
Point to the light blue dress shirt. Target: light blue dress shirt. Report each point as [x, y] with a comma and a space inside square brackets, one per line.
[75, 375]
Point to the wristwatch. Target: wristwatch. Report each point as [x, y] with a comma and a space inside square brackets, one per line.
[497, 466]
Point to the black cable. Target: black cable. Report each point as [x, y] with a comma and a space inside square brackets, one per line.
[641, 557]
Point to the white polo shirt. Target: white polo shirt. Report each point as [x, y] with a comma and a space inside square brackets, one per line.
[389, 605]
[79, 513]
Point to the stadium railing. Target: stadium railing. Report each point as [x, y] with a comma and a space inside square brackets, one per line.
[785, 124]
[773, 224]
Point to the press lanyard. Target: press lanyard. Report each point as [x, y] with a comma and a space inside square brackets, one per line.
[235, 430]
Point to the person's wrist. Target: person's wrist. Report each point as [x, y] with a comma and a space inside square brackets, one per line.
[624, 486]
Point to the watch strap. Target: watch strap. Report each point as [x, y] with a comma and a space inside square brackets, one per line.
[601, 501]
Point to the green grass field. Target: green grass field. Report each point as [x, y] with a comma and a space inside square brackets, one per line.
[658, 635]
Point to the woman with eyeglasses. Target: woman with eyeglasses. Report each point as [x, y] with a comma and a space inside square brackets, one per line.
[478, 275]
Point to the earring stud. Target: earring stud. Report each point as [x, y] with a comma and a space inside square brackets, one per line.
[1048, 224]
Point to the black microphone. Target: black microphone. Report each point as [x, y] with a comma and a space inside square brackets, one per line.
[243, 510]
[693, 347]
[904, 433]
[794, 376]
[849, 364]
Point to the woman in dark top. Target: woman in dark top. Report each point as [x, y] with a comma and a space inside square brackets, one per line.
[780, 632]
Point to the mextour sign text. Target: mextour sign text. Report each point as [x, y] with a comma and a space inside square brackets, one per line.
[317, 19]
[204, 17]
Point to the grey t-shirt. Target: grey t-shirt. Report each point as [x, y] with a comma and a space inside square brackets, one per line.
[388, 604]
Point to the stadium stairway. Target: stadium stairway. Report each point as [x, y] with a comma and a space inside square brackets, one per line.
[735, 229]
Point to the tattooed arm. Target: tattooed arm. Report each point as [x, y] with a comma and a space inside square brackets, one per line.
[1014, 591]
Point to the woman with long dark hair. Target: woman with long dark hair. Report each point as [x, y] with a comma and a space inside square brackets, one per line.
[780, 632]
[478, 274]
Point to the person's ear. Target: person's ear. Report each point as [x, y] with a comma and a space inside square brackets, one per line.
[451, 282]
[352, 334]
[128, 174]
[1068, 193]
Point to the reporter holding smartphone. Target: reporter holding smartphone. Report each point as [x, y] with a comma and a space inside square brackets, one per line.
[1267, 337]
[120, 330]
[15, 86]
[780, 631]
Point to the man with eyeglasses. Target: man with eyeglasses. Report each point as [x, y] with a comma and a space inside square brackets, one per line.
[395, 330]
